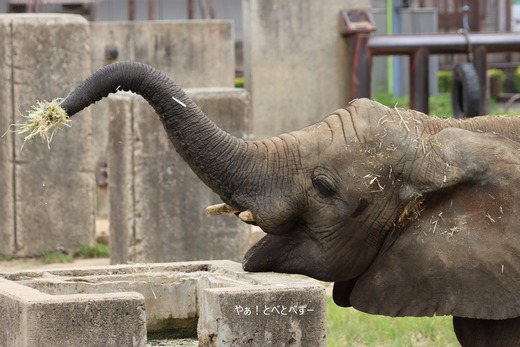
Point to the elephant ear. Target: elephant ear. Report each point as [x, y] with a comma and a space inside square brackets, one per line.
[461, 255]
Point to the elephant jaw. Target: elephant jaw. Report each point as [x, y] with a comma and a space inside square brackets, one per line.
[284, 254]
[265, 253]
[271, 253]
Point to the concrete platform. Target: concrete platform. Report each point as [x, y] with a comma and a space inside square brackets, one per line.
[216, 301]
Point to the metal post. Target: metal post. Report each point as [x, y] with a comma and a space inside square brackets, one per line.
[397, 65]
[191, 9]
[131, 10]
[151, 9]
[419, 82]
[480, 63]
[361, 81]
[357, 25]
[474, 16]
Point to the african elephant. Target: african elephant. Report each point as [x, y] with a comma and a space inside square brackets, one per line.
[409, 215]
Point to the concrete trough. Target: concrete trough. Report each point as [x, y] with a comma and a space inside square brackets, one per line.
[215, 302]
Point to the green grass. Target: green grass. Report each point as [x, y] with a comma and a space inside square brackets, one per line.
[239, 82]
[440, 105]
[57, 257]
[349, 327]
[97, 251]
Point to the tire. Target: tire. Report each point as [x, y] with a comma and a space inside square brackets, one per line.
[466, 95]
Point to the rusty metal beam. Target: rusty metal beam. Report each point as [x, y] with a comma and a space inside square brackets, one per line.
[443, 43]
[357, 25]
[361, 68]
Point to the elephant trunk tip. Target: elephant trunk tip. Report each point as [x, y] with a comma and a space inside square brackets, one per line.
[43, 119]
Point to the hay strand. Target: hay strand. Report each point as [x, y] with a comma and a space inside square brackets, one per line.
[43, 119]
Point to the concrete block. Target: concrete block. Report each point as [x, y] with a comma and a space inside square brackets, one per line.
[7, 210]
[214, 300]
[296, 62]
[120, 178]
[50, 195]
[156, 202]
[248, 316]
[194, 53]
[34, 319]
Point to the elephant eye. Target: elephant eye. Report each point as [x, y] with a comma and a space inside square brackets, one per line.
[323, 185]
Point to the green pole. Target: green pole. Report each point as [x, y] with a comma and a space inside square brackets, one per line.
[390, 59]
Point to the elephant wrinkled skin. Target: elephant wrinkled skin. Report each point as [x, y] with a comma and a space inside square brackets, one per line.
[409, 215]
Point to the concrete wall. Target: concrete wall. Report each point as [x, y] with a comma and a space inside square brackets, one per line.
[156, 202]
[296, 62]
[46, 196]
[195, 53]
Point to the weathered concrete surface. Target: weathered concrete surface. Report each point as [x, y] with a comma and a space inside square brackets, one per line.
[296, 62]
[232, 307]
[156, 202]
[249, 316]
[34, 319]
[47, 201]
[7, 229]
[194, 53]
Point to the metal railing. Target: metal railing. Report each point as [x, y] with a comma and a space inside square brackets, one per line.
[418, 48]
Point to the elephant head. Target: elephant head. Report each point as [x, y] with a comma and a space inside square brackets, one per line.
[407, 214]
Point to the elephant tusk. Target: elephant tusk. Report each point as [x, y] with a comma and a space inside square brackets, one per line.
[220, 209]
[247, 216]
[225, 209]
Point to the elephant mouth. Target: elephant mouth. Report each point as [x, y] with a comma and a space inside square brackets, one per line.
[278, 251]
[225, 209]
[265, 253]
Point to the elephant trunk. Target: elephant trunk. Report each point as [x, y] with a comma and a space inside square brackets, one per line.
[213, 154]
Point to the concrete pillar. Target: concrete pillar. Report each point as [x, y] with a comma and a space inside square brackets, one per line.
[287, 316]
[47, 197]
[156, 202]
[7, 211]
[296, 61]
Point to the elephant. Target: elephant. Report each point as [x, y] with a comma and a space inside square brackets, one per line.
[408, 214]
